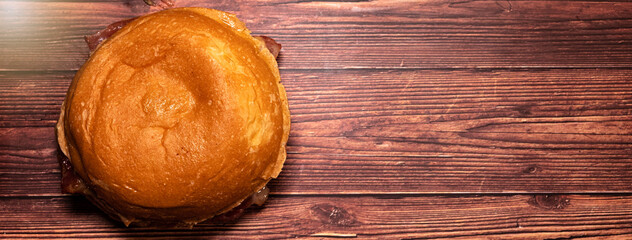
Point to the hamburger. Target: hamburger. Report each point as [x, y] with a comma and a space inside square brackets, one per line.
[178, 117]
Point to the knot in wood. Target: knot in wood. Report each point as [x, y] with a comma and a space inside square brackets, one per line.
[551, 202]
[531, 169]
[333, 215]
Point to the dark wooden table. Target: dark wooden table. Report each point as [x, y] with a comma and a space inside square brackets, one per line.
[410, 119]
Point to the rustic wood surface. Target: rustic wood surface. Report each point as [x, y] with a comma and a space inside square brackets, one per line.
[410, 119]
[360, 216]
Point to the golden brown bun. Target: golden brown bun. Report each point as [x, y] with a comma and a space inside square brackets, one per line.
[177, 117]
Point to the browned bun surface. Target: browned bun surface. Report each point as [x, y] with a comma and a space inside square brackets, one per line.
[177, 117]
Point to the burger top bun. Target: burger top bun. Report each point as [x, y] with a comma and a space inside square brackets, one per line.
[177, 117]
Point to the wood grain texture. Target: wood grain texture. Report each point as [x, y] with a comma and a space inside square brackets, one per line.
[365, 217]
[48, 35]
[410, 119]
[396, 131]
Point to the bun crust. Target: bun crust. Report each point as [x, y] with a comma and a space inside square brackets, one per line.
[177, 117]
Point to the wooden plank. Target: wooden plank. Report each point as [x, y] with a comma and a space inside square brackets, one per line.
[404, 131]
[421, 96]
[44, 35]
[32, 98]
[365, 217]
[349, 174]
